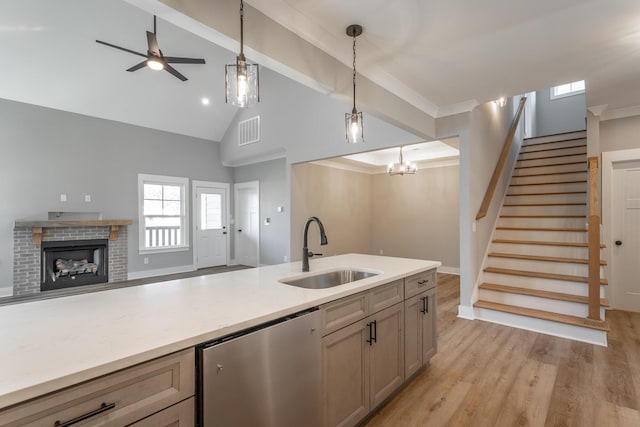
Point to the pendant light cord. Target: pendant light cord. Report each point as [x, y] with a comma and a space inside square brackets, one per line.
[241, 28]
[354, 73]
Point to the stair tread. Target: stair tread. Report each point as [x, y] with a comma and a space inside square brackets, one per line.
[549, 193]
[543, 258]
[543, 216]
[553, 149]
[581, 230]
[553, 164]
[546, 315]
[548, 174]
[549, 183]
[542, 275]
[550, 142]
[545, 204]
[552, 157]
[542, 294]
[544, 243]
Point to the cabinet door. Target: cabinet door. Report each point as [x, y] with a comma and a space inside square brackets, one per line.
[178, 415]
[345, 375]
[413, 320]
[429, 327]
[387, 353]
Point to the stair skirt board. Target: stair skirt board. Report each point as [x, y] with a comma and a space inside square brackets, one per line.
[571, 269]
[579, 222]
[549, 285]
[562, 330]
[538, 303]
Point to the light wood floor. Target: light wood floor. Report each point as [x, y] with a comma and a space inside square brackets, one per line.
[491, 375]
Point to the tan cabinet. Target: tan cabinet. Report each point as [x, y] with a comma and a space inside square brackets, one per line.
[117, 399]
[363, 363]
[420, 330]
[418, 283]
[179, 415]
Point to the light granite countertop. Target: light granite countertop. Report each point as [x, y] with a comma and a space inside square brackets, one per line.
[51, 344]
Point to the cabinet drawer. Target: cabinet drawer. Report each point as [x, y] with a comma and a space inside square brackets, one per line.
[115, 399]
[420, 282]
[343, 312]
[179, 415]
[385, 296]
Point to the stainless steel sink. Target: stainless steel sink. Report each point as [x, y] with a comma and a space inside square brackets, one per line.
[329, 279]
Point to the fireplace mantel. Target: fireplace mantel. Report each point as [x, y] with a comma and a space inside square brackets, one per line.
[37, 226]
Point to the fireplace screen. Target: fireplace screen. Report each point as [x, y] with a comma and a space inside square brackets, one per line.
[73, 263]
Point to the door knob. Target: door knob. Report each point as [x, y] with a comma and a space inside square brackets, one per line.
[240, 230]
[618, 242]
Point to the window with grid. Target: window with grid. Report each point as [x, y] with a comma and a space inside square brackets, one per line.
[567, 89]
[162, 213]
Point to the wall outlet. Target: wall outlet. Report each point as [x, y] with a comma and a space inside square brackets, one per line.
[63, 197]
[286, 258]
[473, 226]
[145, 260]
[381, 251]
[87, 198]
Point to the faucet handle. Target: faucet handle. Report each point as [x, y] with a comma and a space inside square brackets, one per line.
[311, 254]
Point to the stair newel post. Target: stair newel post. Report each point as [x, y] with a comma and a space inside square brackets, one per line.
[594, 242]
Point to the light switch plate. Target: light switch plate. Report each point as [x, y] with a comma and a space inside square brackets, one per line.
[63, 197]
[87, 198]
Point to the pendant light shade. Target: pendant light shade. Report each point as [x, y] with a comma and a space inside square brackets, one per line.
[242, 79]
[402, 167]
[354, 127]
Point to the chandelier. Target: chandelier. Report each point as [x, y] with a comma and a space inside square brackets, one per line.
[402, 167]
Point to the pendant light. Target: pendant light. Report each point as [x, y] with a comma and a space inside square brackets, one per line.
[242, 80]
[402, 167]
[354, 129]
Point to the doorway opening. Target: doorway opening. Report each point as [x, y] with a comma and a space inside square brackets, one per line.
[247, 223]
[210, 231]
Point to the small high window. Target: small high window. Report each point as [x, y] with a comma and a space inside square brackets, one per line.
[567, 89]
[163, 213]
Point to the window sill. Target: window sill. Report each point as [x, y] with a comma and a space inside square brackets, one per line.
[147, 251]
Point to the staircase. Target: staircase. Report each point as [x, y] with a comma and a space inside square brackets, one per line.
[536, 271]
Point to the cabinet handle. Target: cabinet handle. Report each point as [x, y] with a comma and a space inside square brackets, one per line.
[422, 282]
[103, 408]
[371, 339]
[375, 331]
[423, 310]
[426, 304]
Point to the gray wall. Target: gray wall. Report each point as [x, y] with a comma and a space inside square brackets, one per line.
[47, 152]
[559, 115]
[274, 192]
[620, 134]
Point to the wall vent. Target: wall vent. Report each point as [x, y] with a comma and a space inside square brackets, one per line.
[249, 131]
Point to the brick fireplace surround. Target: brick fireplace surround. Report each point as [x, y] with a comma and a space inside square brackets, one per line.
[28, 235]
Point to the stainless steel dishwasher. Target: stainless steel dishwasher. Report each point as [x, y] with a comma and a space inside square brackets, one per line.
[266, 376]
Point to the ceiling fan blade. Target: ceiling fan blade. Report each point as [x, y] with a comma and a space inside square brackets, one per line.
[176, 60]
[152, 42]
[121, 48]
[175, 72]
[138, 66]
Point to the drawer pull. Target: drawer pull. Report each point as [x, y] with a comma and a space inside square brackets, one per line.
[422, 282]
[103, 408]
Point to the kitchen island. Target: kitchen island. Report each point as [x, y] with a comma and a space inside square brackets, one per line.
[51, 344]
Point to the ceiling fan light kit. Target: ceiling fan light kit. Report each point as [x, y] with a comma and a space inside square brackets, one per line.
[242, 79]
[154, 58]
[354, 127]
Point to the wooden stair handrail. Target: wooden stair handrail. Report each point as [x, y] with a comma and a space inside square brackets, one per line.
[594, 242]
[484, 207]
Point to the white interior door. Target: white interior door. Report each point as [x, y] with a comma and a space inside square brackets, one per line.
[211, 226]
[626, 236]
[247, 217]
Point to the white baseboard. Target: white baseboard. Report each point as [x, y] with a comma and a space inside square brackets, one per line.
[132, 275]
[466, 312]
[449, 270]
[6, 292]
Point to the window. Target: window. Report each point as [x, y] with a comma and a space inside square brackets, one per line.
[163, 213]
[567, 89]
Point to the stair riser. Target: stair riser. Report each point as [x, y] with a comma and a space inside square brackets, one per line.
[572, 269]
[544, 210]
[547, 198]
[553, 161]
[543, 222]
[537, 303]
[542, 236]
[541, 250]
[553, 151]
[560, 138]
[551, 285]
[575, 176]
[548, 188]
[579, 167]
[559, 144]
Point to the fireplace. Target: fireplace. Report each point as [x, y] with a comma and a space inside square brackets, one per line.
[70, 263]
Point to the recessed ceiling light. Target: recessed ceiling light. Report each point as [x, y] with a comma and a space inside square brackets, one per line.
[205, 101]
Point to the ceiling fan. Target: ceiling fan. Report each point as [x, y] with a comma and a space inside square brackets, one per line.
[154, 57]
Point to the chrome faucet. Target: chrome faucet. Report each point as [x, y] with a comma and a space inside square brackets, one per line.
[306, 253]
